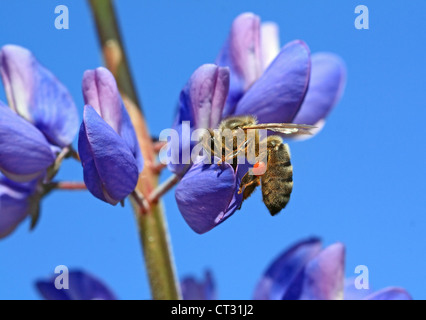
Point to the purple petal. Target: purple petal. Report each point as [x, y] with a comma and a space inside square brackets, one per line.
[237, 199]
[328, 77]
[192, 289]
[109, 167]
[241, 53]
[35, 94]
[128, 134]
[184, 107]
[101, 92]
[180, 162]
[204, 195]
[270, 42]
[48, 291]
[205, 95]
[284, 270]
[82, 286]
[24, 152]
[201, 103]
[324, 275]
[390, 293]
[236, 91]
[14, 205]
[278, 94]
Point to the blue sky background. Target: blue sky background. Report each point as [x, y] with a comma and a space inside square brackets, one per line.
[361, 181]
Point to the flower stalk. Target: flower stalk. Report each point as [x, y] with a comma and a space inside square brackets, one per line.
[151, 221]
[70, 185]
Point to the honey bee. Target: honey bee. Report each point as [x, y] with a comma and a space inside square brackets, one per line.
[273, 171]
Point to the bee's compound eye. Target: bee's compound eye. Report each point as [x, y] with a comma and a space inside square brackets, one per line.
[259, 168]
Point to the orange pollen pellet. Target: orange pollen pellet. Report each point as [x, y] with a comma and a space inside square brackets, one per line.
[259, 168]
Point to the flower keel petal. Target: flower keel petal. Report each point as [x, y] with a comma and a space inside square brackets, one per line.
[204, 194]
[110, 169]
[24, 151]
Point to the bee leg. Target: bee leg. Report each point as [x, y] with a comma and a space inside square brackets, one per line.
[244, 185]
[248, 184]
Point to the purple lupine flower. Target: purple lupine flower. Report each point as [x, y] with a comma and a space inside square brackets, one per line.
[25, 152]
[29, 147]
[194, 289]
[82, 286]
[42, 119]
[107, 144]
[37, 95]
[307, 272]
[264, 82]
[201, 104]
[14, 203]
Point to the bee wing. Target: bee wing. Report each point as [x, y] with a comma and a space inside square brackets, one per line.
[239, 149]
[285, 128]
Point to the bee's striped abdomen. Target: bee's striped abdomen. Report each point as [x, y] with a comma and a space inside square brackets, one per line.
[277, 182]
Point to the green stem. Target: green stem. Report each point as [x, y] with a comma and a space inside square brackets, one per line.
[112, 46]
[151, 222]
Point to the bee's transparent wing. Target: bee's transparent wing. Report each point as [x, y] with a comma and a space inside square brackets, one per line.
[284, 128]
[239, 150]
